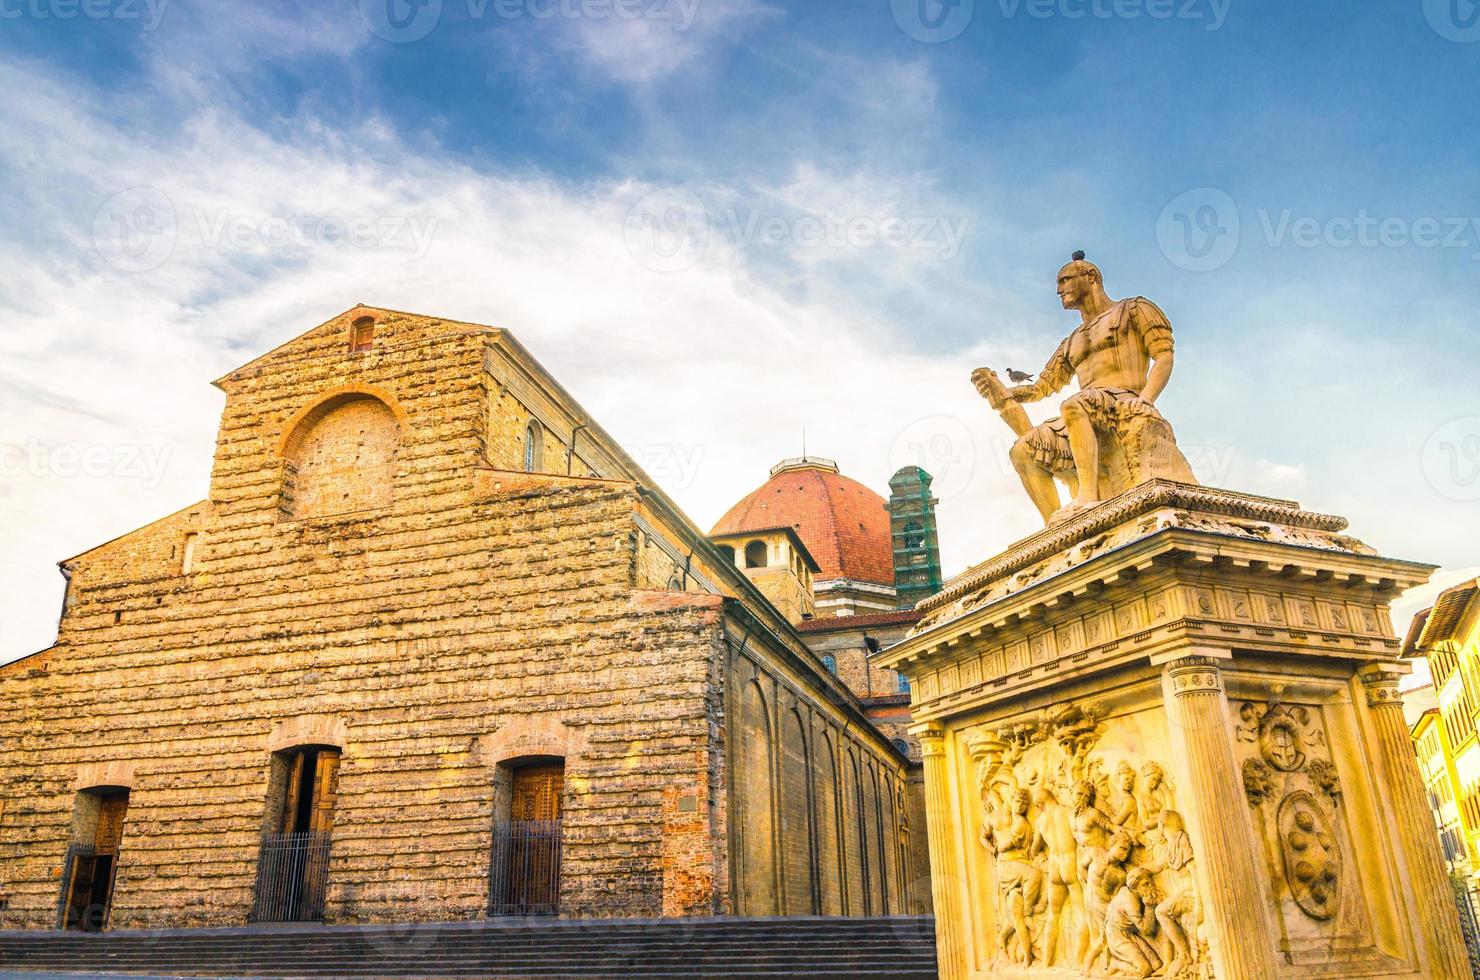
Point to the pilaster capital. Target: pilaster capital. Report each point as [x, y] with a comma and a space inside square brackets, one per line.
[932, 738]
[1195, 674]
[1381, 682]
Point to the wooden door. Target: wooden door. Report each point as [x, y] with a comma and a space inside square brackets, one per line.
[537, 792]
[110, 824]
[79, 888]
[534, 837]
[325, 792]
[292, 793]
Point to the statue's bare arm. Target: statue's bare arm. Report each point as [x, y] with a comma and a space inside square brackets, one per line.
[1052, 379]
[1155, 331]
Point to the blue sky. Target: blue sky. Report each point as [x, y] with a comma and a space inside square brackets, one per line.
[721, 221]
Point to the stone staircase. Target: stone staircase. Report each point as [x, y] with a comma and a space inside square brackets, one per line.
[713, 947]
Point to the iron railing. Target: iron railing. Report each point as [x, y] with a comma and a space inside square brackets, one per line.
[292, 878]
[1469, 927]
[524, 868]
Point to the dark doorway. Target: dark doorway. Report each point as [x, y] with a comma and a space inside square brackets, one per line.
[524, 867]
[92, 861]
[293, 867]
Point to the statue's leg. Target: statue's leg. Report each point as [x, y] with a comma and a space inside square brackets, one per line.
[1084, 443]
[1037, 479]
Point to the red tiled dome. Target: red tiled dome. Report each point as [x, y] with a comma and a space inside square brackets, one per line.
[843, 523]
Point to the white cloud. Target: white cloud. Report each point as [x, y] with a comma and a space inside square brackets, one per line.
[666, 38]
[100, 358]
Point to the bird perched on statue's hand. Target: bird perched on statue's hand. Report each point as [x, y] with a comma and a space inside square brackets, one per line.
[1018, 377]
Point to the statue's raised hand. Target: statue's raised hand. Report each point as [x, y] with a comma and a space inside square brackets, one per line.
[990, 387]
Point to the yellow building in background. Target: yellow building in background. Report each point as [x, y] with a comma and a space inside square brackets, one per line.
[1447, 738]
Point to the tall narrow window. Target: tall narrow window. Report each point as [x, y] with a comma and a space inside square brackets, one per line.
[362, 335]
[901, 684]
[830, 664]
[187, 560]
[534, 447]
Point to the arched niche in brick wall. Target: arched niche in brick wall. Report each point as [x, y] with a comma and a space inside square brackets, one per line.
[339, 454]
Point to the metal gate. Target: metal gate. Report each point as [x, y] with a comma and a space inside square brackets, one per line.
[524, 868]
[292, 878]
[1464, 901]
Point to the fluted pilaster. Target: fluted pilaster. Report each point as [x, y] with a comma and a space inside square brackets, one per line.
[1433, 899]
[1227, 850]
[944, 875]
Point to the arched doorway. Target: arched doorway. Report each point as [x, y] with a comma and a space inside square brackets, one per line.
[92, 859]
[293, 869]
[524, 863]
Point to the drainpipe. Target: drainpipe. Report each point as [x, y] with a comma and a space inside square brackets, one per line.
[570, 451]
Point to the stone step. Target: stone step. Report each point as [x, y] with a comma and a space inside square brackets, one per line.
[810, 946]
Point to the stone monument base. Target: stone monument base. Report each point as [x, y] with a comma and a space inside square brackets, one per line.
[1165, 738]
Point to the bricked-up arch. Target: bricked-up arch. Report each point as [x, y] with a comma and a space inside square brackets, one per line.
[854, 839]
[878, 890]
[796, 823]
[829, 855]
[339, 455]
[758, 891]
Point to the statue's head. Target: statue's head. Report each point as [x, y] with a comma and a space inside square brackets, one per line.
[1084, 794]
[1079, 280]
[1121, 845]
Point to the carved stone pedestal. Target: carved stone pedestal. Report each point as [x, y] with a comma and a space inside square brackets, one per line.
[1165, 738]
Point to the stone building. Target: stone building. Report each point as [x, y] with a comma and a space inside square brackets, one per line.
[1447, 736]
[434, 647]
[846, 565]
[843, 523]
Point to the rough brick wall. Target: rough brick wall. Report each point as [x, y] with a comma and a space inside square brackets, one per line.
[373, 571]
[416, 629]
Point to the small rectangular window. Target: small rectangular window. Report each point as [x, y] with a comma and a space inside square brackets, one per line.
[362, 335]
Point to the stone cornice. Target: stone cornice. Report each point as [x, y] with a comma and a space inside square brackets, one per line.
[1153, 495]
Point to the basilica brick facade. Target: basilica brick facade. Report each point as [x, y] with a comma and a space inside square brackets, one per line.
[429, 600]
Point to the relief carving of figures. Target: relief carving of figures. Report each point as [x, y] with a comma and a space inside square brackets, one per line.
[1093, 870]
